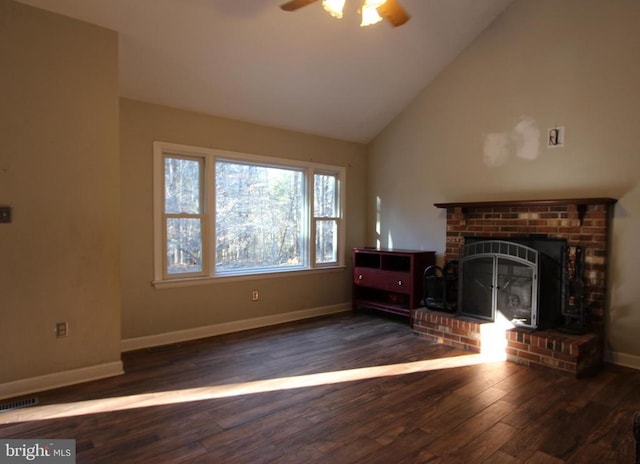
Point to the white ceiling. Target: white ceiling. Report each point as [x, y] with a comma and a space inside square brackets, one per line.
[305, 71]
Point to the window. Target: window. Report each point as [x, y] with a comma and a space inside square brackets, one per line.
[260, 217]
[183, 218]
[326, 217]
[219, 213]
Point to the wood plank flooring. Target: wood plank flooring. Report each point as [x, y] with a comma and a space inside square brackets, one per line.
[193, 403]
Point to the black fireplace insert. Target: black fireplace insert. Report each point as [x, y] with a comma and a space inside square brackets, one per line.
[515, 280]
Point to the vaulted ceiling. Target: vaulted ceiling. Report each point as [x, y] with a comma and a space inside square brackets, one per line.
[304, 71]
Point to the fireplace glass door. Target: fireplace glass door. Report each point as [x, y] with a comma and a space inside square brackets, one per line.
[515, 291]
[477, 288]
[499, 280]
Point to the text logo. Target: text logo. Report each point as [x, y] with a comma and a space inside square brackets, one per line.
[38, 451]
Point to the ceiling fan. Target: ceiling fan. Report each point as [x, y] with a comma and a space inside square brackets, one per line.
[372, 11]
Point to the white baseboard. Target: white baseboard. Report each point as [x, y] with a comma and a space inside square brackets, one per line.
[59, 379]
[86, 374]
[167, 338]
[622, 359]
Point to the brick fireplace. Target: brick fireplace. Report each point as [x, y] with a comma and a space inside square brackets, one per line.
[584, 224]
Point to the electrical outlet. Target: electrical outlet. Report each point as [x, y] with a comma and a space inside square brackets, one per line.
[5, 214]
[62, 329]
[255, 296]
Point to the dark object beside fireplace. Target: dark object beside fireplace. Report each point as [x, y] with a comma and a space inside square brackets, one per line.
[518, 280]
[441, 287]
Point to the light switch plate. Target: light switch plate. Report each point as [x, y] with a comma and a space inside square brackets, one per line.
[555, 137]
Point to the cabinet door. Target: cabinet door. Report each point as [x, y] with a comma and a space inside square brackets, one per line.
[367, 277]
[399, 282]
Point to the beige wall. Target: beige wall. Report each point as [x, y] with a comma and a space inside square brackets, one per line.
[59, 169]
[471, 135]
[147, 311]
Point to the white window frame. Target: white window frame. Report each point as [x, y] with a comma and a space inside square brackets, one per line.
[316, 219]
[209, 157]
[202, 216]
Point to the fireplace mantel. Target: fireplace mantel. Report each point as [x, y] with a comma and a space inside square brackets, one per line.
[580, 204]
[509, 203]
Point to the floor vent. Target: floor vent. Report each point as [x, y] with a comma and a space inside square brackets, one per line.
[18, 404]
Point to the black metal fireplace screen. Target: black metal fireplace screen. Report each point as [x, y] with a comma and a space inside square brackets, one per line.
[499, 280]
[521, 281]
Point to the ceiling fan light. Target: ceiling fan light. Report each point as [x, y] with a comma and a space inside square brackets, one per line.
[370, 13]
[334, 7]
[369, 16]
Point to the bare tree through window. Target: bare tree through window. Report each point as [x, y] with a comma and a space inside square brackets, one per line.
[259, 216]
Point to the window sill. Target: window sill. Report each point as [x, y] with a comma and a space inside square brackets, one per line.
[196, 281]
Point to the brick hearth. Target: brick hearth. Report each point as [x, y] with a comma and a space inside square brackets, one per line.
[577, 354]
[582, 223]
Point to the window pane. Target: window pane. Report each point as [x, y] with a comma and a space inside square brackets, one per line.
[182, 186]
[184, 245]
[326, 241]
[259, 217]
[325, 195]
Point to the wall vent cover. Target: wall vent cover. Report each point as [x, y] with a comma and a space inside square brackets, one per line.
[18, 404]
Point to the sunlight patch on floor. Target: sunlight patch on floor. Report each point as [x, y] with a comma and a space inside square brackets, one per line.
[120, 403]
[493, 338]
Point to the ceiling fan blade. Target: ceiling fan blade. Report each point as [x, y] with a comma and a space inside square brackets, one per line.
[295, 4]
[393, 12]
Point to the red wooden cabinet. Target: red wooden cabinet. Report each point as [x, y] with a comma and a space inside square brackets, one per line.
[389, 280]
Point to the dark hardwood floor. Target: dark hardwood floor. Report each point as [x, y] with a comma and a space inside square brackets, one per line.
[419, 403]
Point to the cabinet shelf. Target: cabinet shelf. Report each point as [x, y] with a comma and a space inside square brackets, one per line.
[389, 280]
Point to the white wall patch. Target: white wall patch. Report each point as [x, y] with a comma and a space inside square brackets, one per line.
[526, 136]
[523, 141]
[496, 149]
